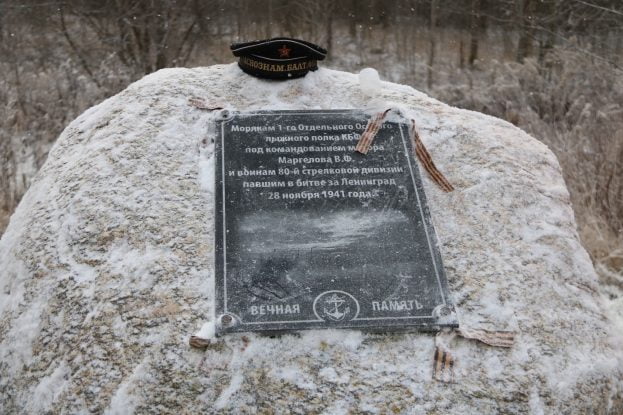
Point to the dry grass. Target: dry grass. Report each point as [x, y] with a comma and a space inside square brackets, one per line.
[575, 107]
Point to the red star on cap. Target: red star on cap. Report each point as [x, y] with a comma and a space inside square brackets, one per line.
[284, 52]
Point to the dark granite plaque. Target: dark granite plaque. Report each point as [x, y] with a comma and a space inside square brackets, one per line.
[310, 234]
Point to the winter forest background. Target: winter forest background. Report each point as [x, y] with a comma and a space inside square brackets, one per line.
[551, 67]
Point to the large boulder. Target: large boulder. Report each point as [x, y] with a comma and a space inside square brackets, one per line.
[107, 270]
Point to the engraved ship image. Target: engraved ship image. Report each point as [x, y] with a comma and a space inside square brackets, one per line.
[335, 314]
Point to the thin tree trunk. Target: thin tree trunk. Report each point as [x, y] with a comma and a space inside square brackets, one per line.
[474, 31]
[524, 44]
[352, 19]
[330, 31]
[461, 53]
[269, 25]
[432, 42]
[546, 44]
[75, 49]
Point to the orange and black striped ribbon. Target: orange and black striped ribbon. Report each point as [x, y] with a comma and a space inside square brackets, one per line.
[202, 105]
[496, 338]
[199, 342]
[427, 161]
[443, 365]
[443, 361]
[373, 127]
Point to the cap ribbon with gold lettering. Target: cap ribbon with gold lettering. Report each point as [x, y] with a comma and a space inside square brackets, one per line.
[278, 58]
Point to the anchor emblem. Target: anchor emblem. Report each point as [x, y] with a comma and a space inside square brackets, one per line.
[336, 306]
[335, 314]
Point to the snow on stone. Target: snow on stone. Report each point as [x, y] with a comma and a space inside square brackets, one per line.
[370, 82]
[106, 271]
[207, 330]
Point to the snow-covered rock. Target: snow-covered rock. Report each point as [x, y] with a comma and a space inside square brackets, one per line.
[106, 271]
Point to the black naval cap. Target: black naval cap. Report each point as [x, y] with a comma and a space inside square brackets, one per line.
[278, 58]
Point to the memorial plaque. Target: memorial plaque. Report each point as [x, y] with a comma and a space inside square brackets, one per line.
[310, 234]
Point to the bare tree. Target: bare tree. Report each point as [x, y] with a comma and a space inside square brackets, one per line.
[524, 44]
[432, 45]
[143, 35]
[474, 31]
